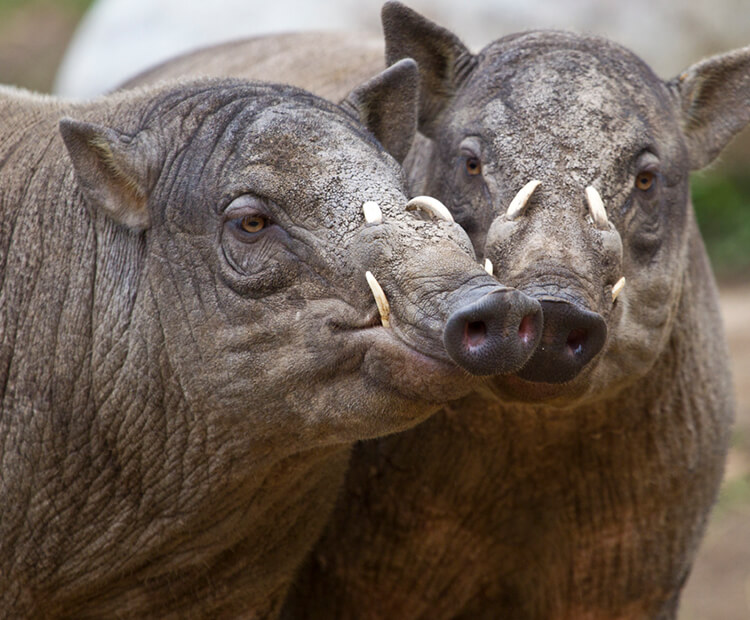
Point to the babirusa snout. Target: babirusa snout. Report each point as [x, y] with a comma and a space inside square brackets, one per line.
[494, 334]
[571, 337]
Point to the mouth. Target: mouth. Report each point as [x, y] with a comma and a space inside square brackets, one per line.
[395, 364]
[370, 330]
[515, 388]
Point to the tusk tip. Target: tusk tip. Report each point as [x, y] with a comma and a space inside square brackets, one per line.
[431, 206]
[596, 208]
[373, 214]
[518, 204]
[617, 288]
[381, 301]
[488, 267]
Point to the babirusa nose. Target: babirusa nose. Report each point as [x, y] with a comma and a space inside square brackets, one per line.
[495, 334]
[571, 337]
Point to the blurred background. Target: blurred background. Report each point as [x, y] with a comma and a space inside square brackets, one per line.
[81, 48]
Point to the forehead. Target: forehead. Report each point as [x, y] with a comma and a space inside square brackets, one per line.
[312, 160]
[550, 95]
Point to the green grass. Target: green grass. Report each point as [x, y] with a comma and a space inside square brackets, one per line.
[722, 206]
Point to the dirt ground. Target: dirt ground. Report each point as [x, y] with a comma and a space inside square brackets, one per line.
[719, 588]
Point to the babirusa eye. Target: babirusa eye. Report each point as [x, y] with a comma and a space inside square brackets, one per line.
[473, 166]
[253, 223]
[644, 180]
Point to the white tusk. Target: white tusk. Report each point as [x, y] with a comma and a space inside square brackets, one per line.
[488, 266]
[381, 300]
[431, 206]
[617, 288]
[373, 214]
[596, 208]
[518, 204]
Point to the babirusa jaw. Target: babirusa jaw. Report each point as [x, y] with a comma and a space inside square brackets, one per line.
[381, 300]
[431, 206]
[518, 204]
[596, 208]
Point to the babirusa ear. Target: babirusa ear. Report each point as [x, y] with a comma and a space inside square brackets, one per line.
[111, 172]
[715, 99]
[387, 106]
[444, 61]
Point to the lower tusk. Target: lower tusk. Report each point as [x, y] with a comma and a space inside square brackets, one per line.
[488, 266]
[381, 300]
[518, 204]
[596, 208]
[617, 288]
[373, 214]
[431, 206]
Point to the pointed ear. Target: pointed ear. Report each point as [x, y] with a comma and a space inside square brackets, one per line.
[387, 106]
[715, 99]
[444, 61]
[111, 170]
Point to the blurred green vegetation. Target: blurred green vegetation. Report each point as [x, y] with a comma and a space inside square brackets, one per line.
[734, 492]
[722, 206]
[74, 6]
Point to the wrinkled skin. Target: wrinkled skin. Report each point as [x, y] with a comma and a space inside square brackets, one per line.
[188, 343]
[584, 496]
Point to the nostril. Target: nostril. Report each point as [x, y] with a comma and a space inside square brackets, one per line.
[527, 329]
[475, 333]
[576, 341]
[571, 337]
[482, 334]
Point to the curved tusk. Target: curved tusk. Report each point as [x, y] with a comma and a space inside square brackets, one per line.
[596, 208]
[384, 308]
[373, 214]
[518, 204]
[617, 288]
[488, 266]
[431, 206]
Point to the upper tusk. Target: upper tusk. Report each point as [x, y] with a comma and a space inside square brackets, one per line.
[381, 300]
[432, 206]
[488, 266]
[373, 214]
[518, 204]
[596, 208]
[617, 288]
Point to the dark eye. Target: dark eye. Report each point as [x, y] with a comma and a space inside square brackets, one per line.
[253, 223]
[644, 180]
[473, 166]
